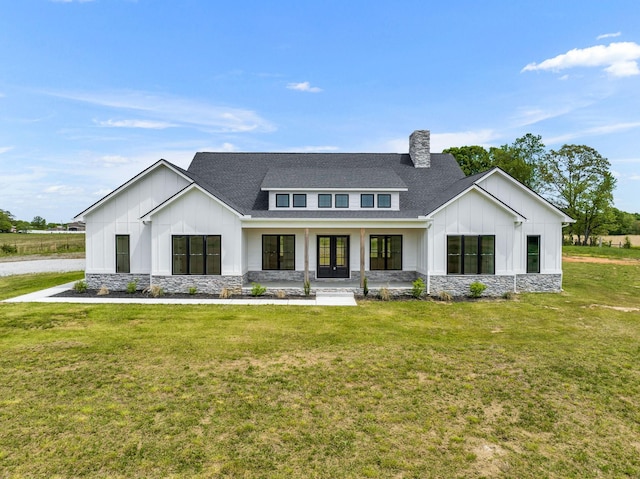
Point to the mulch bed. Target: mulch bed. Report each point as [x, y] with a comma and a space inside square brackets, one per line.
[93, 293]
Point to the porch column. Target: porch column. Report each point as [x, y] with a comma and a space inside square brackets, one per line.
[306, 255]
[362, 257]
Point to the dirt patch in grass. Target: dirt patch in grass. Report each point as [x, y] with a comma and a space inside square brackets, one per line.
[594, 259]
[615, 308]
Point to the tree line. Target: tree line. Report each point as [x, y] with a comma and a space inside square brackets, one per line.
[575, 178]
[8, 223]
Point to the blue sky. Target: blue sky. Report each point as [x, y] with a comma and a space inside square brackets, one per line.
[94, 91]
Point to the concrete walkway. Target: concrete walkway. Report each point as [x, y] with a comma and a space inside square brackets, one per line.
[321, 299]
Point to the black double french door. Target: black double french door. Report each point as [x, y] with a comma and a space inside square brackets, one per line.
[333, 256]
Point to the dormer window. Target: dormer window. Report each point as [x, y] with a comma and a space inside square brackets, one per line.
[342, 201]
[324, 200]
[282, 201]
[366, 200]
[384, 200]
[299, 200]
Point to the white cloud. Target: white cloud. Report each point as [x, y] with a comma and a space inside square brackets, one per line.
[313, 149]
[304, 86]
[102, 192]
[441, 141]
[174, 111]
[4, 149]
[608, 35]
[64, 190]
[598, 130]
[145, 124]
[620, 59]
[111, 160]
[635, 177]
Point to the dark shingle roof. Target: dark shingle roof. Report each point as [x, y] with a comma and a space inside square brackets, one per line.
[237, 179]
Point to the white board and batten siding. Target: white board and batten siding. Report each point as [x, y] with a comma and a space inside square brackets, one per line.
[541, 220]
[121, 215]
[196, 214]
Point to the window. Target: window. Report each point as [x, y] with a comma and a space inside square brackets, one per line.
[197, 254]
[299, 201]
[366, 201]
[384, 200]
[324, 201]
[282, 201]
[471, 254]
[533, 254]
[278, 252]
[123, 264]
[342, 201]
[385, 252]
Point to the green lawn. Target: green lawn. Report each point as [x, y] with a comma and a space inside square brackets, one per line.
[547, 385]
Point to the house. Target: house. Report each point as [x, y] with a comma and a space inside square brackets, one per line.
[334, 218]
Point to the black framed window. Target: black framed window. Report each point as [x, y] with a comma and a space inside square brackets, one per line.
[385, 252]
[384, 200]
[299, 200]
[282, 200]
[366, 200]
[196, 254]
[471, 254]
[324, 200]
[342, 200]
[123, 262]
[278, 252]
[533, 254]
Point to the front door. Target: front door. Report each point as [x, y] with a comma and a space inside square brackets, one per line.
[333, 256]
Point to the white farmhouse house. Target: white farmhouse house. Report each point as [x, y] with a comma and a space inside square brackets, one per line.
[235, 218]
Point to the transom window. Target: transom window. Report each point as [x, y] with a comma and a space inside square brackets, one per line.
[282, 200]
[342, 200]
[299, 201]
[384, 200]
[366, 200]
[324, 200]
[471, 254]
[385, 252]
[278, 252]
[533, 254]
[196, 254]
[123, 263]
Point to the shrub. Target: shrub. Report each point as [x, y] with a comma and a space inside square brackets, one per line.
[225, 293]
[417, 288]
[80, 286]
[103, 291]
[476, 289]
[257, 289]
[154, 291]
[306, 287]
[193, 290]
[132, 286]
[509, 295]
[445, 296]
[8, 248]
[627, 243]
[384, 294]
[280, 294]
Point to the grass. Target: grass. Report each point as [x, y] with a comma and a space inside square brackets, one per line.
[547, 385]
[11, 286]
[602, 252]
[37, 243]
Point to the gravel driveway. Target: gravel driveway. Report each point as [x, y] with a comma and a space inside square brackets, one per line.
[41, 266]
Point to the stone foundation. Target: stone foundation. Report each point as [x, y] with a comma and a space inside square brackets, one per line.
[386, 276]
[270, 276]
[538, 283]
[497, 285]
[117, 282]
[208, 284]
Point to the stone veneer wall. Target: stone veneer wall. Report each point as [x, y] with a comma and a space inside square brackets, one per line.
[539, 283]
[267, 276]
[116, 281]
[209, 284]
[459, 285]
[385, 276]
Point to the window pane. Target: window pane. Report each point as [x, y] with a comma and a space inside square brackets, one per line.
[324, 201]
[533, 254]
[341, 251]
[454, 255]
[342, 201]
[394, 247]
[324, 247]
[179, 255]
[213, 255]
[299, 201]
[282, 201]
[470, 255]
[287, 252]
[366, 201]
[196, 255]
[376, 249]
[122, 254]
[269, 252]
[384, 201]
[487, 255]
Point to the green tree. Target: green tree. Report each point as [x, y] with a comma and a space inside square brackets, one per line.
[22, 225]
[624, 223]
[472, 159]
[580, 183]
[38, 223]
[6, 221]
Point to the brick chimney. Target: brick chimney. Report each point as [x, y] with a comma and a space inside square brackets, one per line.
[419, 148]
